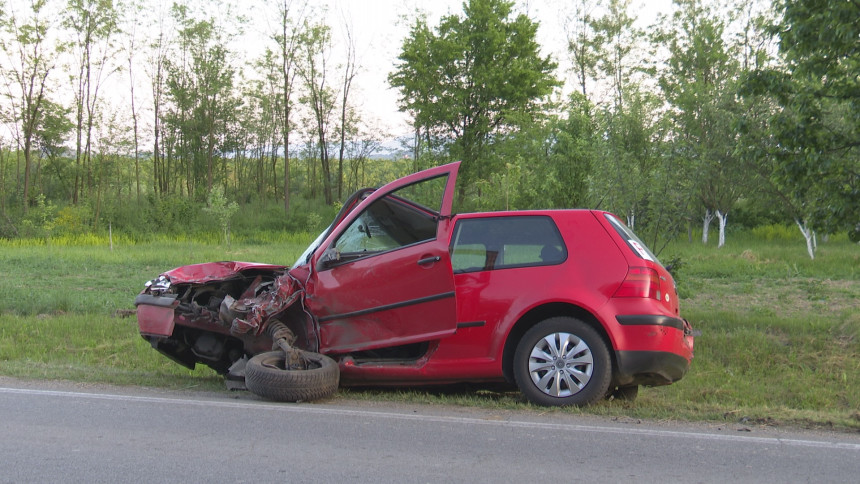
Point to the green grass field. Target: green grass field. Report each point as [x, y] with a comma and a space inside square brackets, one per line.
[780, 341]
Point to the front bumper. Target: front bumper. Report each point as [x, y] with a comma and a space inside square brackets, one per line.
[155, 314]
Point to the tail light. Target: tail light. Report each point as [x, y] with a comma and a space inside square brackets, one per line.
[640, 282]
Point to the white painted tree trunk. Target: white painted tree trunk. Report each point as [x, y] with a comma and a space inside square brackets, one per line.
[631, 220]
[706, 225]
[809, 235]
[723, 218]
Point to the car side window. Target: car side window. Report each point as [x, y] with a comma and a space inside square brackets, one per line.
[492, 243]
[393, 221]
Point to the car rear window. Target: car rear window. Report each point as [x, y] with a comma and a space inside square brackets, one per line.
[636, 245]
[493, 243]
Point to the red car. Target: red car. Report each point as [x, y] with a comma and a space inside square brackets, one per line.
[569, 305]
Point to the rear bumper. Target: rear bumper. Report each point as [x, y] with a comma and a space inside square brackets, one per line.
[650, 368]
[655, 350]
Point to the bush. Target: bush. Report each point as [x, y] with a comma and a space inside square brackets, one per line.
[72, 220]
[172, 214]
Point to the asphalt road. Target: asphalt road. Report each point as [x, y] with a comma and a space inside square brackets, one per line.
[67, 433]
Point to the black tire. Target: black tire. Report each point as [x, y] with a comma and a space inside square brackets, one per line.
[266, 376]
[572, 378]
[627, 394]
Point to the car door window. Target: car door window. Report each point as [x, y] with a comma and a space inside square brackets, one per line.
[398, 219]
[493, 243]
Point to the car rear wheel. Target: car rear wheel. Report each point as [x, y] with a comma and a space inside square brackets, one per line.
[267, 375]
[562, 361]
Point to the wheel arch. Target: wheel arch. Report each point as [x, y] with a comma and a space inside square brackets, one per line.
[541, 313]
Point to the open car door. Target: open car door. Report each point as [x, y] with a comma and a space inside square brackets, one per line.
[383, 277]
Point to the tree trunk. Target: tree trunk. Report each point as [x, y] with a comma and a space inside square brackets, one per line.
[287, 172]
[135, 132]
[723, 218]
[809, 235]
[706, 225]
[26, 175]
[2, 182]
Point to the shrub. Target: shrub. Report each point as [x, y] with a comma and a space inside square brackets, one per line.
[72, 220]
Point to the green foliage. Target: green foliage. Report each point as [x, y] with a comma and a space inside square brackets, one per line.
[472, 77]
[200, 88]
[171, 213]
[815, 148]
[653, 136]
[221, 210]
[39, 221]
[72, 220]
[514, 188]
[699, 81]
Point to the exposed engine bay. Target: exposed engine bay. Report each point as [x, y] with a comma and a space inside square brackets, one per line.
[220, 322]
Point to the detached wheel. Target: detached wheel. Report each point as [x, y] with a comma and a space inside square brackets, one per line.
[562, 361]
[266, 375]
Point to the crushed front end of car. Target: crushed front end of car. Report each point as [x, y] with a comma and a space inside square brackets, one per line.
[220, 314]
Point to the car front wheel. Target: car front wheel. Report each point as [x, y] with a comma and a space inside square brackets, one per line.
[562, 361]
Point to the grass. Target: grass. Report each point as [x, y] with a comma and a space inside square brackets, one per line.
[780, 341]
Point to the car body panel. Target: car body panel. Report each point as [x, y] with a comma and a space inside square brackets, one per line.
[214, 271]
[359, 306]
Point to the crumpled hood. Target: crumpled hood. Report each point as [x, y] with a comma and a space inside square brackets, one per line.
[214, 271]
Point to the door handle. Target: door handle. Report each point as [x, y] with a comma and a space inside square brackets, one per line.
[429, 260]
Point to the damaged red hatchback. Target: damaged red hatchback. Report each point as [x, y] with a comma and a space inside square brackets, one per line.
[569, 305]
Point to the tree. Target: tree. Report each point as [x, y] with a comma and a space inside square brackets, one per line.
[157, 71]
[287, 40]
[627, 118]
[547, 163]
[583, 43]
[614, 42]
[26, 88]
[473, 77]
[94, 22]
[313, 68]
[49, 142]
[347, 120]
[815, 145]
[130, 51]
[200, 84]
[700, 84]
